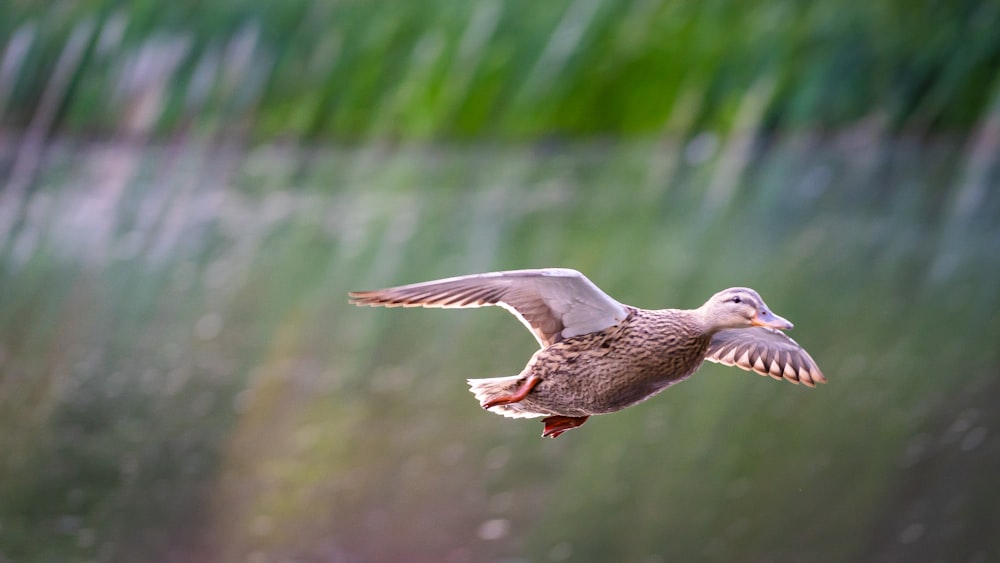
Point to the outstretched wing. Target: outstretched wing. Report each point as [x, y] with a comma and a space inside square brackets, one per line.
[765, 351]
[554, 303]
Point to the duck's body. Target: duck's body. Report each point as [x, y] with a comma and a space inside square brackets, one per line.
[599, 356]
[606, 371]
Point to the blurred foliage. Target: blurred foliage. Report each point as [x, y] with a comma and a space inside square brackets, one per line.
[508, 69]
[181, 378]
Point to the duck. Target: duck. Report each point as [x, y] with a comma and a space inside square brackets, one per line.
[599, 356]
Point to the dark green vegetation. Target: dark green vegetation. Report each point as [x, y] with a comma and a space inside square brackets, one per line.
[182, 374]
[512, 69]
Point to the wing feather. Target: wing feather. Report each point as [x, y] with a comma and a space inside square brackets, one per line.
[767, 352]
[554, 303]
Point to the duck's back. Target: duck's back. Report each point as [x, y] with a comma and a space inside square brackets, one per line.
[610, 370]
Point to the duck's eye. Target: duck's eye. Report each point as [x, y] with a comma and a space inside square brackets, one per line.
[736, 299]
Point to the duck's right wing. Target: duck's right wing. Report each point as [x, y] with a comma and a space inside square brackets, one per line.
[554, 303]
[765, 351]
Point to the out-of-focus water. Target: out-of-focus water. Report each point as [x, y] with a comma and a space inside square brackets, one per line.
[181, 377]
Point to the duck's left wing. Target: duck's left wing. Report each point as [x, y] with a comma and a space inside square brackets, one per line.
[554, 303]
[765, 351]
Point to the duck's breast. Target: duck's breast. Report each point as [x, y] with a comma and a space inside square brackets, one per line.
[656, 350]
[608, 371]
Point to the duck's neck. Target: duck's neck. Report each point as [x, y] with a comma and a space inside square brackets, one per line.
[705, 323]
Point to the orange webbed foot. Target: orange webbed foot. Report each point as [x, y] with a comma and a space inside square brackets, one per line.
[556, 425]
[518, 395]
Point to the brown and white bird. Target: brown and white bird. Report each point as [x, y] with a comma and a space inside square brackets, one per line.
[599, 356]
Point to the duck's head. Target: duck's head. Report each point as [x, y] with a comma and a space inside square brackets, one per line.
[740, 307]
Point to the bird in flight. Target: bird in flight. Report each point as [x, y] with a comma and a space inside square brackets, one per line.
[599, 356]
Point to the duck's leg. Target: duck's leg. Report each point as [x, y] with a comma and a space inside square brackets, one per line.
[517, 396]
[556, 425]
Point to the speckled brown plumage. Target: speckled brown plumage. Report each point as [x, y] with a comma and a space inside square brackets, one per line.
[598, 356]
[607, 371]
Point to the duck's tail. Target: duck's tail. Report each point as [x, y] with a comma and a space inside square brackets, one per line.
[488, 389]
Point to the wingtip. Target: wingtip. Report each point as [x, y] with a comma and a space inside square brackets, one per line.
[813, 378]
[360, 298]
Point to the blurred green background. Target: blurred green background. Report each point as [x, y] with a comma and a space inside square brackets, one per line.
[190, 189]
